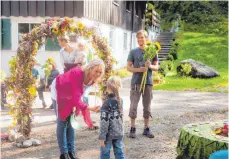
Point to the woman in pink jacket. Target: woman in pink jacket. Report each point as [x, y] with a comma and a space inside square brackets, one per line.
[67, 89]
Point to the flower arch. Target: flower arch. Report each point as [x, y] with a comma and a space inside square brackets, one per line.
[21, 83]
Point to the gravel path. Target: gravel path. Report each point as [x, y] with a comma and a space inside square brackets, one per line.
[170, 110]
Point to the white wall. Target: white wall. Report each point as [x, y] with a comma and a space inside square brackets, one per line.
[42, 55]
[118, 51]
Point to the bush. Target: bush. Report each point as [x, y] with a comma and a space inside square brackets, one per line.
[170, 57]
[170, 65]
[165, 67]
[184, 69]
[219, 28]
[174, 49]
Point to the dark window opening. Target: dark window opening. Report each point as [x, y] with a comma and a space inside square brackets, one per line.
[128, 5]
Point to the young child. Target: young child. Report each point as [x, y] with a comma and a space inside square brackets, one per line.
[80, 59]
[111, 121]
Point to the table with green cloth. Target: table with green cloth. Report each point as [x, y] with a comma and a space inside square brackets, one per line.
[197, 141]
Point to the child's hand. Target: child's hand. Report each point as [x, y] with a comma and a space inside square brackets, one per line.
[102, 143]
[98, 109]
[94, 109]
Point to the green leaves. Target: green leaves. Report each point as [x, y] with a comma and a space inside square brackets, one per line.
[150, 51]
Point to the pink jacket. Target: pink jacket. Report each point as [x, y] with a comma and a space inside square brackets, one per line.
[69, 88]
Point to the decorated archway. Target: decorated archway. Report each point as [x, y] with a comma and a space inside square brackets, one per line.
[21, 83]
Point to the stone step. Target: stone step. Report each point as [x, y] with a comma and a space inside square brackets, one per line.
[165, 36]
[163, 33]
[165, 48]
[165, 40]
[162, 36]
[163, 53]
[165, 44]
[162, 59]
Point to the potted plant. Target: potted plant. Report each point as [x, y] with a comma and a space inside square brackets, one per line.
[157, 78]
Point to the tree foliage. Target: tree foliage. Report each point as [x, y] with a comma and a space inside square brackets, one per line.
[191, 12]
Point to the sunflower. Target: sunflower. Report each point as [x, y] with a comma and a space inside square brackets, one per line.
[80, 25]
[148, 42]
[158, 46]
[55, 30]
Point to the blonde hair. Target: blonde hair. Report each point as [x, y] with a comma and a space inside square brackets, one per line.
[93, 63]
[114, 84]
[142, 32]
[63, 38]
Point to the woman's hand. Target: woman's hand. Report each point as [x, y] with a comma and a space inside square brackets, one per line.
[94, 109]
[74, 109]
[102, 144]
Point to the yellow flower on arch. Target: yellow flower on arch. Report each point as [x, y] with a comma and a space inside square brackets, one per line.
[14, 123]
[80, 25]
[35, 45]
[72, 28]
[89, 34]
[67, 20]
[32, 90]
[55, 30]
[34, 52]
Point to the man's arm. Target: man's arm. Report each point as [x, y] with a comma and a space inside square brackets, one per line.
[154, 66]
[130, 68]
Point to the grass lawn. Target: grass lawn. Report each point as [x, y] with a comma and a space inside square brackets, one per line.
[122, 72]
[207, 48]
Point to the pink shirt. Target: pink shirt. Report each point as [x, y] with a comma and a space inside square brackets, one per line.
[69, 87]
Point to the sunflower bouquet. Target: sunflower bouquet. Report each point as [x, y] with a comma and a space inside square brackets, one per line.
[150, 51]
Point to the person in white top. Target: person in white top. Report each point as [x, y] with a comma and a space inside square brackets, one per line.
[68, 53]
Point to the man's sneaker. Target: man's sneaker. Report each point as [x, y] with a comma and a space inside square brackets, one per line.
[132, 132]
[147, 132]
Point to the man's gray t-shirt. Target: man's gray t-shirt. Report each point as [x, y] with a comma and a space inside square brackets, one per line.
[137, 57]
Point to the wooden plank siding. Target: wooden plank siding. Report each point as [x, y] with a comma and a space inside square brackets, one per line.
[115, 13]
[42, 8]
[5, 8]
[108, 12]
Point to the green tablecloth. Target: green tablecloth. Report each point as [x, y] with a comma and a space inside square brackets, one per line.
[197, 141]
